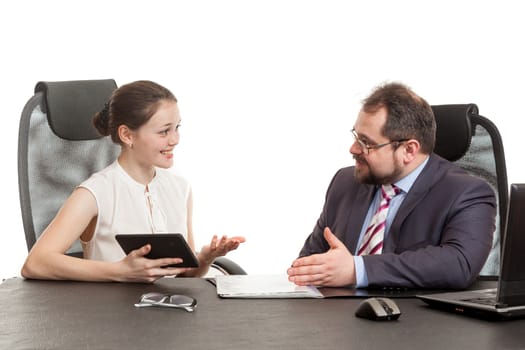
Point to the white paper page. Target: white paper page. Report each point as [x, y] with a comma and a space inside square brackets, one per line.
[262, 286]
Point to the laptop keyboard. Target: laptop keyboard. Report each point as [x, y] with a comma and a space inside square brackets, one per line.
[486, 298]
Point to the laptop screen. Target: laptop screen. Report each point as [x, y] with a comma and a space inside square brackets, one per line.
[511, 289]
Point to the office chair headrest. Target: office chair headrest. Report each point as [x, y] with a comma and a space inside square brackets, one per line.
[70, 106]
[454, 129]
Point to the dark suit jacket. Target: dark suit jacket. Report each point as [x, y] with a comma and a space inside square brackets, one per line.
[440, 237]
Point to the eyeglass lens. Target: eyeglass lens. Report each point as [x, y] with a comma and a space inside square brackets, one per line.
[182, 300]
[153, 297]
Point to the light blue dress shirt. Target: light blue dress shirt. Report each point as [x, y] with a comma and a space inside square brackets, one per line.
[404, 184]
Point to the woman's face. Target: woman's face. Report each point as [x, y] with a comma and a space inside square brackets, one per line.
[153, 142]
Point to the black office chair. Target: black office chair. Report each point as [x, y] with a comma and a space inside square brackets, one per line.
[58, 148]
[474, 143]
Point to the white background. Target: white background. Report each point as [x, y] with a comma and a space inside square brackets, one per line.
[268, 92]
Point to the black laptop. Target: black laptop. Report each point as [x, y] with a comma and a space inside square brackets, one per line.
[508, 299]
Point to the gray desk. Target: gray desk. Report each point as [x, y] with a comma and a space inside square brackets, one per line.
[69, 315]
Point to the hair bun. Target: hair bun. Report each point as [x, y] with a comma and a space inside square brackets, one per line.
[101, 120]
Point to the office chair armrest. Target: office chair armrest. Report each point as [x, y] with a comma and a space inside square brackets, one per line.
[227, 266]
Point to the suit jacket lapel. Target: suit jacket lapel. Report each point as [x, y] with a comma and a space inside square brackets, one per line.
[417, 193]
[357, 216]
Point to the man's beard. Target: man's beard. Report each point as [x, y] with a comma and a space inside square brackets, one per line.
[372, 178]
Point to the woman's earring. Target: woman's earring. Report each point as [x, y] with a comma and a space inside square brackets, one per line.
[131, 145]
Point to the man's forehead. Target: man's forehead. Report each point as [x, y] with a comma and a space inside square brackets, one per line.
[371, 123]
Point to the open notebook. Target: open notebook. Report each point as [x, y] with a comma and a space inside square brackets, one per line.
[508, 299]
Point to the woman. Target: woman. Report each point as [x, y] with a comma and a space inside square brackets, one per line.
[135, 194]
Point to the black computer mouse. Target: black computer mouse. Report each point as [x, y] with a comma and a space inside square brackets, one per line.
[378, 309]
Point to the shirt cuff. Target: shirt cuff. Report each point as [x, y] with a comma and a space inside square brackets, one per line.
[361, 279]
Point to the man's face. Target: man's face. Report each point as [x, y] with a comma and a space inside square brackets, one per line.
[377, 161]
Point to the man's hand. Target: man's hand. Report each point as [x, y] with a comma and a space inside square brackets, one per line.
[335, 268]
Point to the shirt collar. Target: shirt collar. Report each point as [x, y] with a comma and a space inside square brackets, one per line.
[406, 183]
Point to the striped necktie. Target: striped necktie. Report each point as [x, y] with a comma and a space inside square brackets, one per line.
[372, 242]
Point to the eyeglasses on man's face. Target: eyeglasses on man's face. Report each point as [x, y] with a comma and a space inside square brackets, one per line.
[177, 301]
[366, 147]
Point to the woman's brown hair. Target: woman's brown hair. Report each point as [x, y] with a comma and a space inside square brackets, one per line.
[131, 105]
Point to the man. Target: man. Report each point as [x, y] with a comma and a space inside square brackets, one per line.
[432, 229]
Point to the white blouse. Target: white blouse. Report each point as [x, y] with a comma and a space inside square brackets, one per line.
[126, 206]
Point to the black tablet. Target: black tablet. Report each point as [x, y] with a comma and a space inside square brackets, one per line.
[163, 245]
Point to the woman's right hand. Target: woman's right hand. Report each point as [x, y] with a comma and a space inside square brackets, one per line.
[135, 267]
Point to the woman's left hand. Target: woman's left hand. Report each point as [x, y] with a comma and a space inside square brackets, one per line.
[220, 247]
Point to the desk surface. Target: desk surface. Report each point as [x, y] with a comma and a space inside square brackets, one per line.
[45, 315]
